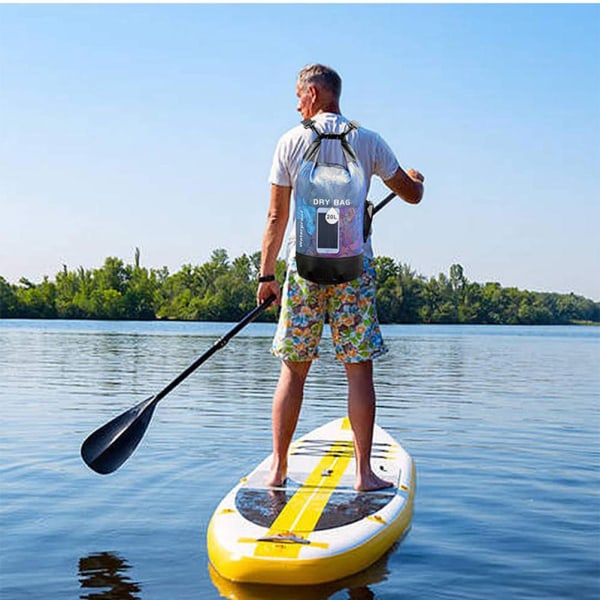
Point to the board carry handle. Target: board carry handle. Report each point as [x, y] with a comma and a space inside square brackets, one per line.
[285, 539]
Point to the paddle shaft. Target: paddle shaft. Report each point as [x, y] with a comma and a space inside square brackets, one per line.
[384, 202]
[220, 343]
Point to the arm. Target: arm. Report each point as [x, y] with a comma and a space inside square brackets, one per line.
[277, 219]
[407, 184]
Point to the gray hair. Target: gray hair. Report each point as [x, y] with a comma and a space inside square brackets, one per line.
[321, 76]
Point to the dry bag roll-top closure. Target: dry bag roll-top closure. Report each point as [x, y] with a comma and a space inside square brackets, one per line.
[330, 211]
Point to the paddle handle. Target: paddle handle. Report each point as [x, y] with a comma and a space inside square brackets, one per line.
[220, 343]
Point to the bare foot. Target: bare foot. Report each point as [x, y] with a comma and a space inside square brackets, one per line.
[276, 479]
[372, 483]
[277, 472]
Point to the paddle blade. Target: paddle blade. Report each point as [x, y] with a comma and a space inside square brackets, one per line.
[105, 450]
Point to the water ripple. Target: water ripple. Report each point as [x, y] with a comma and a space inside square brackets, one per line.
[503, 424]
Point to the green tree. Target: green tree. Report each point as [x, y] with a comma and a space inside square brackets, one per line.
[225, 290]
[140, 297]
[399, 291]
[532, 310]
[439, 305]
[9, 302]
[37, 301]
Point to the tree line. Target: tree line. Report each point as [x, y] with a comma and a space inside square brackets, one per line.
[224, 289]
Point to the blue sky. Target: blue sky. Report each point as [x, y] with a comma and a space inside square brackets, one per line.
[153, 126]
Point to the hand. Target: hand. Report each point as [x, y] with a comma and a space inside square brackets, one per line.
[267, 289]
[415, 175]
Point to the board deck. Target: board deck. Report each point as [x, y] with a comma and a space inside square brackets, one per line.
[317, 527]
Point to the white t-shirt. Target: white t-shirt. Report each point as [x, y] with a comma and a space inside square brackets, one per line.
[374, 155]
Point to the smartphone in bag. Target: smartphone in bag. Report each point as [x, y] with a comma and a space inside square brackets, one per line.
[328, 230]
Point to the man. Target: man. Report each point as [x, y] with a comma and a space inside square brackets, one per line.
[350, 306]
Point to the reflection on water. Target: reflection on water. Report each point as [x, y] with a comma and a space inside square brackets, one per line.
[106, 574]
[357, 587]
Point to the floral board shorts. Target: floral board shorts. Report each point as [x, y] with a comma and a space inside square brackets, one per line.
[350, 308]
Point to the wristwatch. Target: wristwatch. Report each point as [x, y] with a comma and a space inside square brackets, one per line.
[266, 278]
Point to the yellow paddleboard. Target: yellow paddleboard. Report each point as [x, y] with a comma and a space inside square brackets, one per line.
[317, 528]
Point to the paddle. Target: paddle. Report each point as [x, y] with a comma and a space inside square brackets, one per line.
[107, 448]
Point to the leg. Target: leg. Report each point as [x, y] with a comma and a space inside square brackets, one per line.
[287, 402]
[296, 342]
[361, 411]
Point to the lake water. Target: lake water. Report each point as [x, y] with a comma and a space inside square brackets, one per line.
[503, 423]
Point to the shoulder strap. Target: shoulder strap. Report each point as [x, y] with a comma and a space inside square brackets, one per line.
[313, 150]
[310, 124]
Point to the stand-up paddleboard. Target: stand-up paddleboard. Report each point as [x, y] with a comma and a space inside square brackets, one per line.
[317, 528]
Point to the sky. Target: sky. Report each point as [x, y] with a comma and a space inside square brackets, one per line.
[154, 126]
